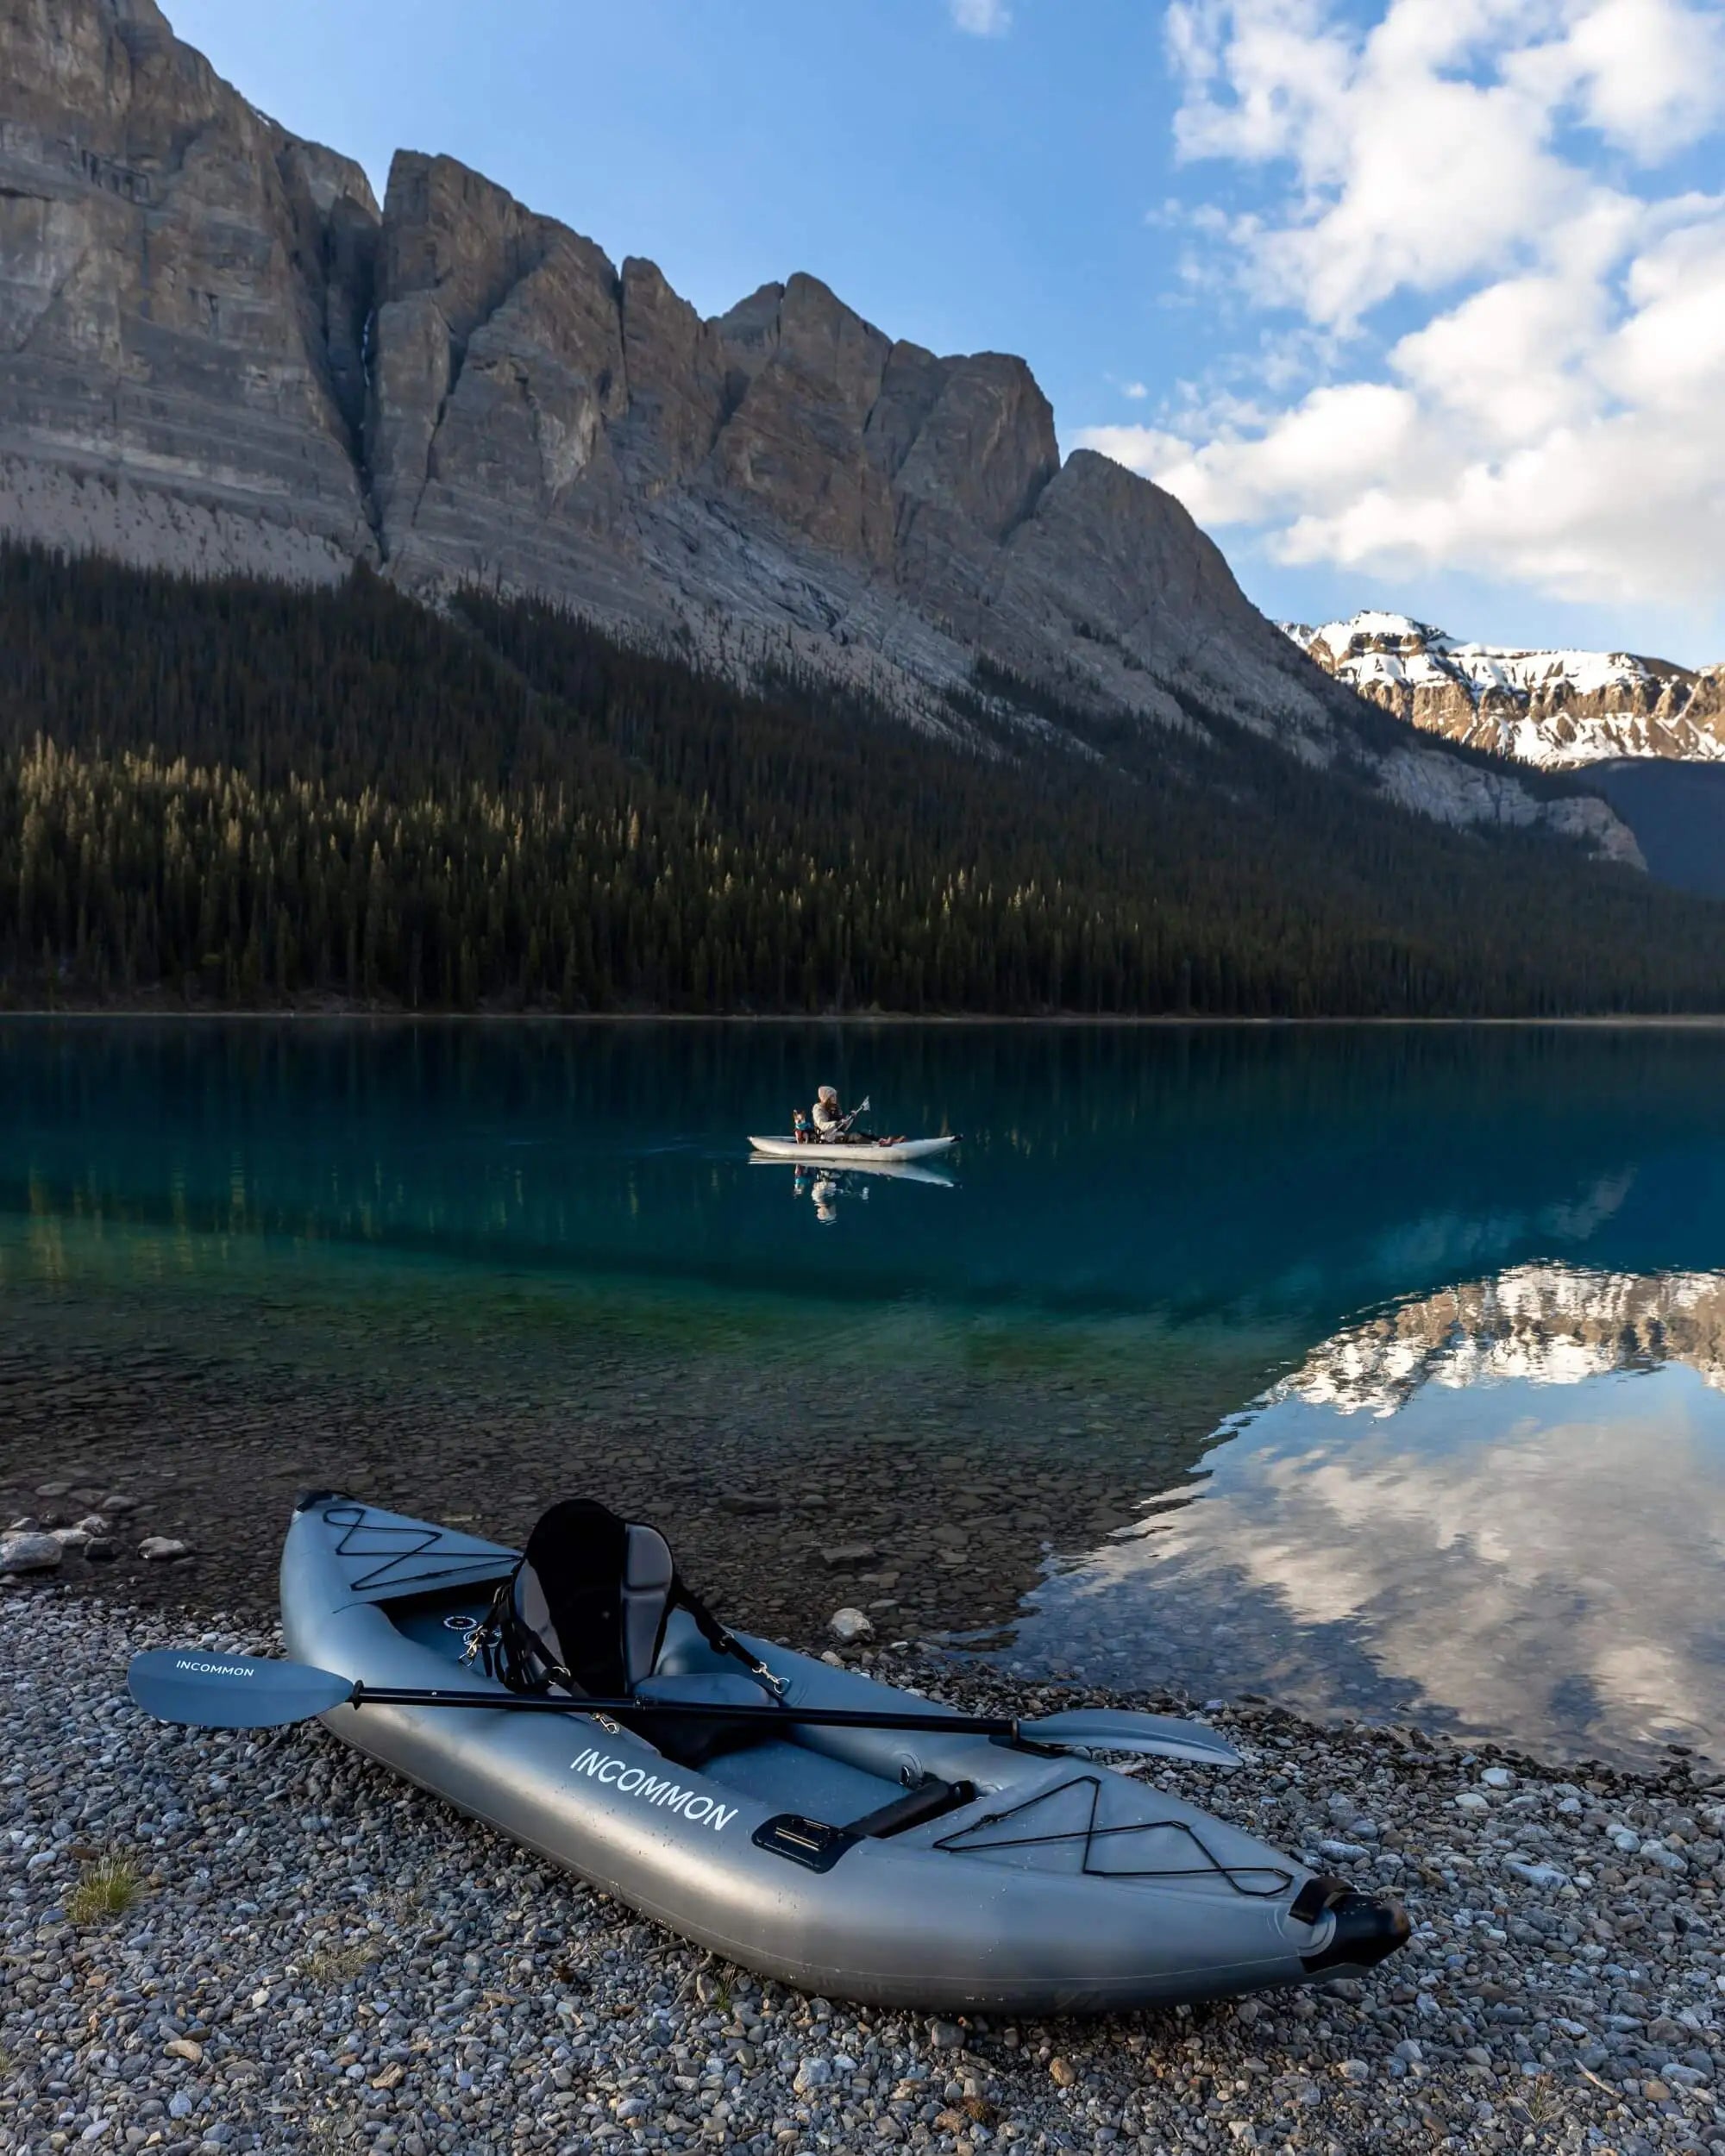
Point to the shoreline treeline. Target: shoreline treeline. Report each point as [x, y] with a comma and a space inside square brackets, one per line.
[251, 794]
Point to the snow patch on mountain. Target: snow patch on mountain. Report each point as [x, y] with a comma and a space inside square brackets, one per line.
[1557, 709]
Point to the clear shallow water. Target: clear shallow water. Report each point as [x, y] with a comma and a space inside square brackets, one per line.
[1380, 1369]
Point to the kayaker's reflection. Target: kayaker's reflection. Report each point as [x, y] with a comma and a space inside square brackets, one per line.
[826, 1185]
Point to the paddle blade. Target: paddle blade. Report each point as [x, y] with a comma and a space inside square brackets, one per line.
[1116, 1729]
[231, 1691]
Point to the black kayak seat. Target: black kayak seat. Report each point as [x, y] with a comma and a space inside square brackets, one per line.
[595, 1606]
[599, 1596]
[587, 1611]
[586, 1606]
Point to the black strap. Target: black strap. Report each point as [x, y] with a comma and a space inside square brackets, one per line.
[509, 1652]
[721, 1639]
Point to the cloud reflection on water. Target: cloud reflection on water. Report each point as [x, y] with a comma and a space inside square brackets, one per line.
[1501, 1505]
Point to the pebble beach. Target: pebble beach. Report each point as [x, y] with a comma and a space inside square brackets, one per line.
[216, 1942]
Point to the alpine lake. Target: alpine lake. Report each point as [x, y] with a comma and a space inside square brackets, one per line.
[1378, 1370]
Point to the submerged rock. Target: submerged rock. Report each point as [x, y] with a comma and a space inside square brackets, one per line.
[32, 1553]
[163, 1549]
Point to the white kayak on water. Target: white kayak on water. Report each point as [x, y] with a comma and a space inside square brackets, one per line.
[857, 1152]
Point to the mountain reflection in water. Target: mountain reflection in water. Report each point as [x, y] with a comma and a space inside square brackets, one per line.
[1498, 1508]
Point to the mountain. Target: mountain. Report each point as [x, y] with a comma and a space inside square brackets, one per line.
[1554, 709]
[218, 354]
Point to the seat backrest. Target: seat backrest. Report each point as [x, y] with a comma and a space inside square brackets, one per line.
[593, 1591]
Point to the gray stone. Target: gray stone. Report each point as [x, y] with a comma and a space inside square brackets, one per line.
[846, 1556]
[490, 1987]
[849, 1625]
[163, 1549]
[29, 1553]
[1535, 1873]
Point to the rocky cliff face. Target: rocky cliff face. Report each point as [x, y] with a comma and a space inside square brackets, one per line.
[217, 352]
[183, 288]
[1556, 709]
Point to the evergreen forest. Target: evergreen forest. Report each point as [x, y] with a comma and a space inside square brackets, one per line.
[245, 794]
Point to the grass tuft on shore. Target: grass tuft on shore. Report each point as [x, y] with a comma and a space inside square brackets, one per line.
[108, 1887]
[335, 1967]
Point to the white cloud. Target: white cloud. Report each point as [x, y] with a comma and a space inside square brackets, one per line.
[1649, 71]
[1557, 414]
[980, 18]
[1137, 391]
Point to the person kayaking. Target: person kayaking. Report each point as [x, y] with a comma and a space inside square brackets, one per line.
[831, 1122]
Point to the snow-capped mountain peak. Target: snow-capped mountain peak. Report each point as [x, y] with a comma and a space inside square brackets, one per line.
[1555, 708]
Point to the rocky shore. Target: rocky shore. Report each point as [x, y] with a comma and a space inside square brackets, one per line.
[212, 1943]
[158, 1443]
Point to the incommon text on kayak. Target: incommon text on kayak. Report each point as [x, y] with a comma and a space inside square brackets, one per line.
[652, 1789]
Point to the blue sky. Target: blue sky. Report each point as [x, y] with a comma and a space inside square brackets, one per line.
[1419, 305]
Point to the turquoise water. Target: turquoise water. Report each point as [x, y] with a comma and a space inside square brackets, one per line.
[1397, 1354]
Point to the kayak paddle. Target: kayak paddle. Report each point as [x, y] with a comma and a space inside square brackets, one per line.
[207, 1691]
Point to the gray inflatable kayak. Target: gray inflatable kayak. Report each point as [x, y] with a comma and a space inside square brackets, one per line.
[892, 1866]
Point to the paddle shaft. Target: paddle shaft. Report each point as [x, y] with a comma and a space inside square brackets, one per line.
[247, 1692]
[813, 1717]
